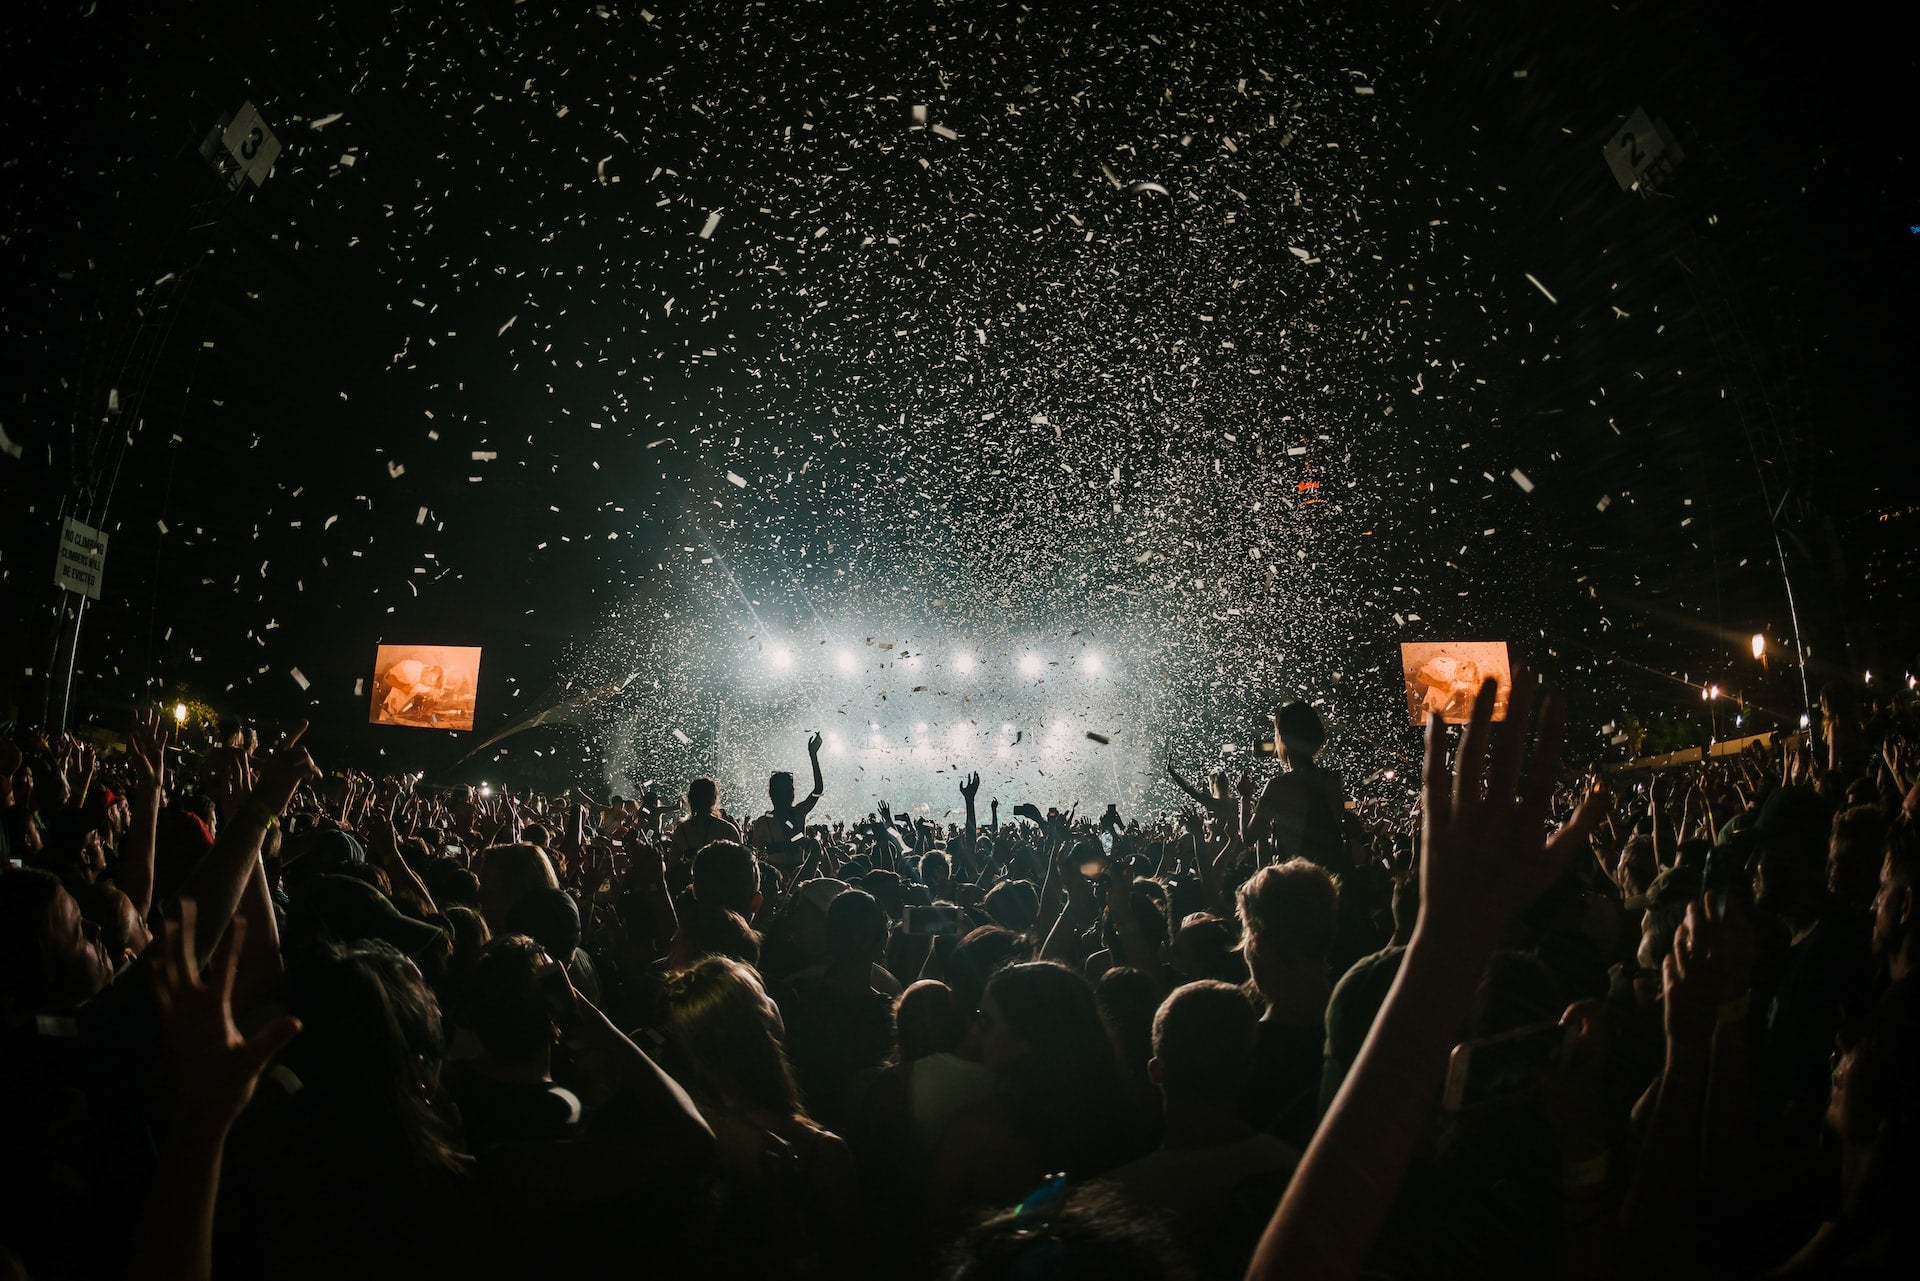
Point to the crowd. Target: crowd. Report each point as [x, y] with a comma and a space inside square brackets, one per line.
[264, 1020]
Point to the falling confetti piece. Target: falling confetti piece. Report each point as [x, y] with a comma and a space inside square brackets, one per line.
[1535, 281]
[1520, 479]
[713, 224]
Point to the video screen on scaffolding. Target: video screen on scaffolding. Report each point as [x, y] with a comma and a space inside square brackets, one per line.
[425, 686]
[1445, 676]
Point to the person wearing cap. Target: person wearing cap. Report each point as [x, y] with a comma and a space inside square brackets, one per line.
[346, 909]
[551, 918]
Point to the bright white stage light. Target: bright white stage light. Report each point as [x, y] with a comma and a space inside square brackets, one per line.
[834, 746]
[963, 663]
[781, 657]
[1093, 664]
[845, 660]
[1031, 664]
[920, 729]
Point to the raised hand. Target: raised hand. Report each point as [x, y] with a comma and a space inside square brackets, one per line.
[281, 774]
[146, 750]
[813, 744]
[1486, 853]
[218, 1067]
[970, 787]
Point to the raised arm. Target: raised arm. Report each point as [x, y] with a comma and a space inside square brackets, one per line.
[216, 882]
[970, 792]
[147, 756]
[1181, 783]
[1485, 857]
[217, 1069]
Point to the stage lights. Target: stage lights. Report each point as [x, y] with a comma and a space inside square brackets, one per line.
[844, 660]
[1093, 664]
[963, 663]
[1031, 664]
[781, 657]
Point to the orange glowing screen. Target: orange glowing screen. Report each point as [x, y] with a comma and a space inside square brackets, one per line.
[1444, 677]
[425, 686]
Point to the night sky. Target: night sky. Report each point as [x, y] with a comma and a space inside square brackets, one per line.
[947, 371]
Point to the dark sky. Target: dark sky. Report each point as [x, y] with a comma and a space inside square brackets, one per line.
[975, 369]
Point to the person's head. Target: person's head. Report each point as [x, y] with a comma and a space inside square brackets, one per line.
[1041, 1014]
[1840, 707]
[450, 883]
[369, 1055]
[51, 957]
[1302, 733]
[1041, 1031]
[469, 931]
[936, 869]
[1203, 948]
[713, 931]
[928, 1020]
[703, 796]
[1639, 864]
[1147, 913]
[1854, 854]
[856, 930]
[501, 1000]
[1013, 905]
[1090, 1235]
[1894, 918]
[726, 1034]
[550, 918]
[536, 834]
[123, 933]
[1203, 1043]
[726, 874]
[780, 789]
[509, 873]
[1287, 915]
[976, 959]
[1790, 876]
[887, 888]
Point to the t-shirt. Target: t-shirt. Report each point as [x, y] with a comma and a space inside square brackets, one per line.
[1307, 805]
[1220, 1196]
[696, 831]
[1283, 1098]
[940, 1085]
